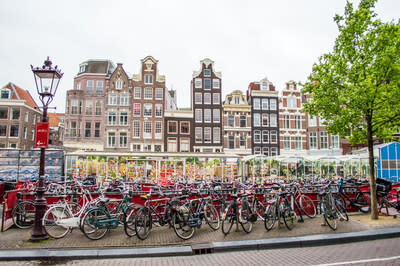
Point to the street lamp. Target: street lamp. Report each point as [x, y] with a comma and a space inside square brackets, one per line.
[47, 79]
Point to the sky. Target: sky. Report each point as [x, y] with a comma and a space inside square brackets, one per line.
[247, 40]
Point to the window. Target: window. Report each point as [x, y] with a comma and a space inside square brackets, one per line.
[207, 135]
[112, 99]
[80, 106]
[256, 104]
[324, 140]
[89, 86]
[312, 121]
[237, 100]
[147, 109]
[197, 98]
[99, 86]
[88, 107]
[291, 102]
[26, 116]
[14, 131]
[264, 104]
[216, 83]
[185, 127]
[334, 141]
[207, 98]
[118, 84]
[257, 150]
[157, 148]
[88, 129]
[298, 143]
[123, 140]
[207, 115]
[135, 147]
[217, 134]
[273, 120]
[274, 151]
[184, 145]
[123, 118]
[272, 104]
[242, 142]
[207, 72]
[74, 107]
[216, 98]
[148, 79]
[207, 84]
[112, 118]
[15, 114]
[216, 116]
[82, 68]
[136, 109]
[198, 115]
[158, 110]
[265, 136]
[136, 129]
[5, 94]
[98, 107]
[111, 139]
[147, 129]
[138, 93]
[3, 130]
[257, 136]
[265, 120]
[97, 129]
[291, 87]
[148, 93]
[231, 120]
[159, 93]
[197, 83]
[173, 127]
[158, 130]
[313, 141]
[124, 99]
[286, 121]
[256, 120]
[273, 136]
[78, 86]
[198, 135]
[231, 142]
[297, 122]
[243, 121]
[73, 129]
[265, 86]
[25, 132]
[172, 145]
[265, 151]
[286, 143]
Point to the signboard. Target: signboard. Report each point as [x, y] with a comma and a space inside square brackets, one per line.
[42, 135]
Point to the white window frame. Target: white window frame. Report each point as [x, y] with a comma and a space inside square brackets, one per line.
[216, 135]
[216, 84]
[124, 99]
[198, 83]
[112, 99]
[148, 79]
[198, 98]
[272, 104]
[137, 93]
[256, 104]
[159, 93]
[136, 129]
[256, 120]
[207, 98]
[207, 133]
[207, 116]
[216, 116]
[146, 108]
[148, 93]
[198, 115]
[198, 135]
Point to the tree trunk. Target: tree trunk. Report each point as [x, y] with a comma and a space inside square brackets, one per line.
[372, 181]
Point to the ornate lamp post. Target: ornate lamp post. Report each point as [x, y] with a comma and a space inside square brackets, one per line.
[47, 79]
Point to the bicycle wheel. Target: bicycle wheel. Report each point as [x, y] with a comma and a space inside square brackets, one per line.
[129, 224]
[288, 216]
[23, 215]
[52, 222]
[245, 213]
[365, 203]
[259, 209]
[339, 198]
[211, 216]
[181, 225]
[270, 217]
[307, 206]
[330, 216]
[228, 218]
[143, 223]
[341, 212]
[90, 225]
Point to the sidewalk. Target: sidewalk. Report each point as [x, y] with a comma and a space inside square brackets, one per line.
[165, 241]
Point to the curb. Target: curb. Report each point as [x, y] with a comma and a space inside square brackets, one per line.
[213, 247]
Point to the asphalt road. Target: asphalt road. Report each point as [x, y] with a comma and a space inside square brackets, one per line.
[377, 252]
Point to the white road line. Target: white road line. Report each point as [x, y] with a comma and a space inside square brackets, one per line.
[360, 261]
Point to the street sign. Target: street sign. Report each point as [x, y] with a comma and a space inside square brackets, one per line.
[42, 135]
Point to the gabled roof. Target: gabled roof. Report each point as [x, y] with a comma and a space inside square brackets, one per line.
[53, 119]
[21, 94]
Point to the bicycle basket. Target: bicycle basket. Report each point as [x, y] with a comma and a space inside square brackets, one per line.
[183, 210]
[383, 185]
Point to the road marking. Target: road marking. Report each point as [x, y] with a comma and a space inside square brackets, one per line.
[360, 261]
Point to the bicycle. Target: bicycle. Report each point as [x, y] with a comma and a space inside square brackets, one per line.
[331, 209]
[360, 201]
[23, 214]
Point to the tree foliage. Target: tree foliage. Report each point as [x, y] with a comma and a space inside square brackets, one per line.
[356, 87]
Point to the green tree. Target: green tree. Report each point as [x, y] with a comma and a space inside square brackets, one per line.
[356, 87]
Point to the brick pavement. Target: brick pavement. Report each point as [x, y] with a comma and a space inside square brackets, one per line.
[163, 236]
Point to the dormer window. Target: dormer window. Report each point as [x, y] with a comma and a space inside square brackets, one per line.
[5, 94]
[207, 73]
[265, 86]
[291, 86]
[148, 79]
[118, 84]
[82, 68]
